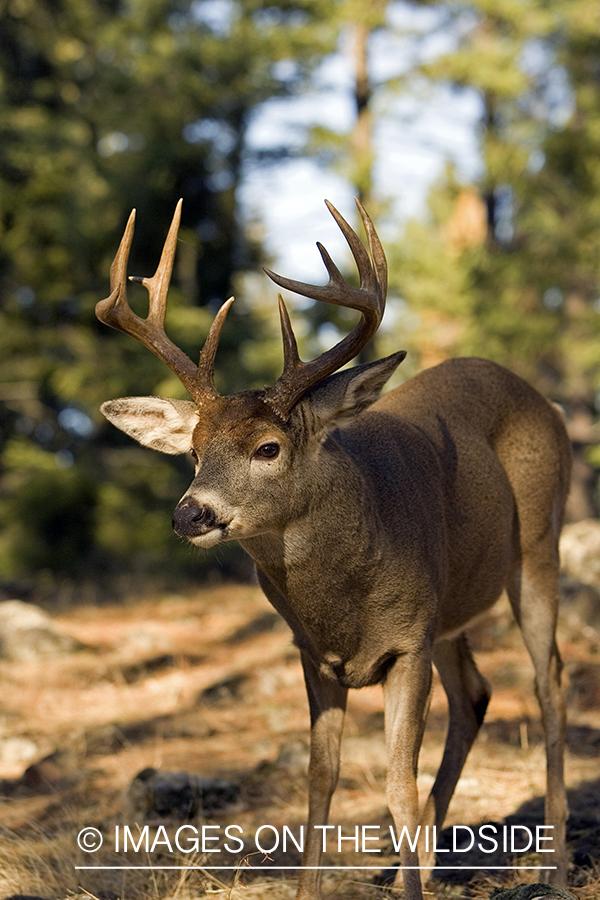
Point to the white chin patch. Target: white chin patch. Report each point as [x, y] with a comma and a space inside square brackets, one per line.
[209, 539]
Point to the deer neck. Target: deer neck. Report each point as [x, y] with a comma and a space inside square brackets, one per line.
[330, 525]
[333, 571]
[318, 570]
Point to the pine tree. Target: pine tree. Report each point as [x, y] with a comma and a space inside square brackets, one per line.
[106, 105]
[507, 267]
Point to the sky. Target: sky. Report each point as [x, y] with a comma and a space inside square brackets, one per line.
[416, 132]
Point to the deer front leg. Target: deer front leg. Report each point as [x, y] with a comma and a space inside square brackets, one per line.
[327, 702]
[406, 691]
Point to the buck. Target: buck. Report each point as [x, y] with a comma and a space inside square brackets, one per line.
[380, 528]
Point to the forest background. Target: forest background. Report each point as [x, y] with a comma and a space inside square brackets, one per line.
[107, 105]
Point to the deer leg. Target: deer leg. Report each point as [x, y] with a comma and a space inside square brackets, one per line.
[468, 696]
[533, 595]
[406, 691]
[327, 703]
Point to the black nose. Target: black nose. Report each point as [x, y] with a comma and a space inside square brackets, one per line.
[190, 520]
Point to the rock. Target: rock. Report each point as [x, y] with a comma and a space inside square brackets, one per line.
[580, 551]
[17, 750]
[176, 796]
[25, 897]
[52, 771]
[20, 757]
[28, 633]
[532, 892]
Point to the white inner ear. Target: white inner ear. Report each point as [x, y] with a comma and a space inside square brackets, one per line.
[165, 425]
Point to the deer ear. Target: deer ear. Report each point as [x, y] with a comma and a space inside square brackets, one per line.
[165, 425]
[338, 399]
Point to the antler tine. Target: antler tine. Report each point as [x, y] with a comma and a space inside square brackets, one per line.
[298, 377]
[291, 357]
[158, 285]
[361, 257]
[206, 365]
[116, 312]
[376, 248]
[114, 307]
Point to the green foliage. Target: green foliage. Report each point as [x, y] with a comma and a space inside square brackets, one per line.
[56, 500]
[517, 279]
[106, 105]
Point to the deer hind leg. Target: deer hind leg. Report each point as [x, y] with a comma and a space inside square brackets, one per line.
[533, 594]
[468, 696]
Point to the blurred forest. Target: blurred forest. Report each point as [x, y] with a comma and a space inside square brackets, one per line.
[107, 105]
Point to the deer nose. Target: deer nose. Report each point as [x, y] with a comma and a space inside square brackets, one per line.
[189, 519]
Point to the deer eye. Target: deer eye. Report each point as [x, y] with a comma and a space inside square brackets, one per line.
[194, 455]
[267, 451]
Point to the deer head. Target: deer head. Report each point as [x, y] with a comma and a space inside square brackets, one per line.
[256, 452]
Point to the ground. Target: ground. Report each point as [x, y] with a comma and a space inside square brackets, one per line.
[209, 683]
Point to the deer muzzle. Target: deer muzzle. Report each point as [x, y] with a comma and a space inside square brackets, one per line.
[190, 520]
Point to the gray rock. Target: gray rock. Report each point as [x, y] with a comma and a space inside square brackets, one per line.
[532, 892]
[580, 551]
[16, 750]
[156, 796]
[28, 633]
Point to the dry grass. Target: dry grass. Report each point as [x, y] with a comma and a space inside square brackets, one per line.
[210, 683]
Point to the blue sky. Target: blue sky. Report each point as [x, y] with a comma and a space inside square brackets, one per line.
[417, 129]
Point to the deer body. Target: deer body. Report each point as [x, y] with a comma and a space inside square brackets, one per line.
[407, 509]
[380, 528]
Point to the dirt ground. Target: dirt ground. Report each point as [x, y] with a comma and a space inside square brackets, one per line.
[209, 683]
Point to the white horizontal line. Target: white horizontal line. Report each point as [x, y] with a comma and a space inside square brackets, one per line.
[258, 867]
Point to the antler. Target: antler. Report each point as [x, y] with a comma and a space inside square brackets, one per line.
[116, 312]
[298, 377]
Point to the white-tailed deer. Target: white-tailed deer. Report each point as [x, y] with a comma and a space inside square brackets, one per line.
[380, 527]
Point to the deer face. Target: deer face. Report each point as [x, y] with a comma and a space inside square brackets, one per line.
[243, 455]
[243, 458]
[254, 471]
